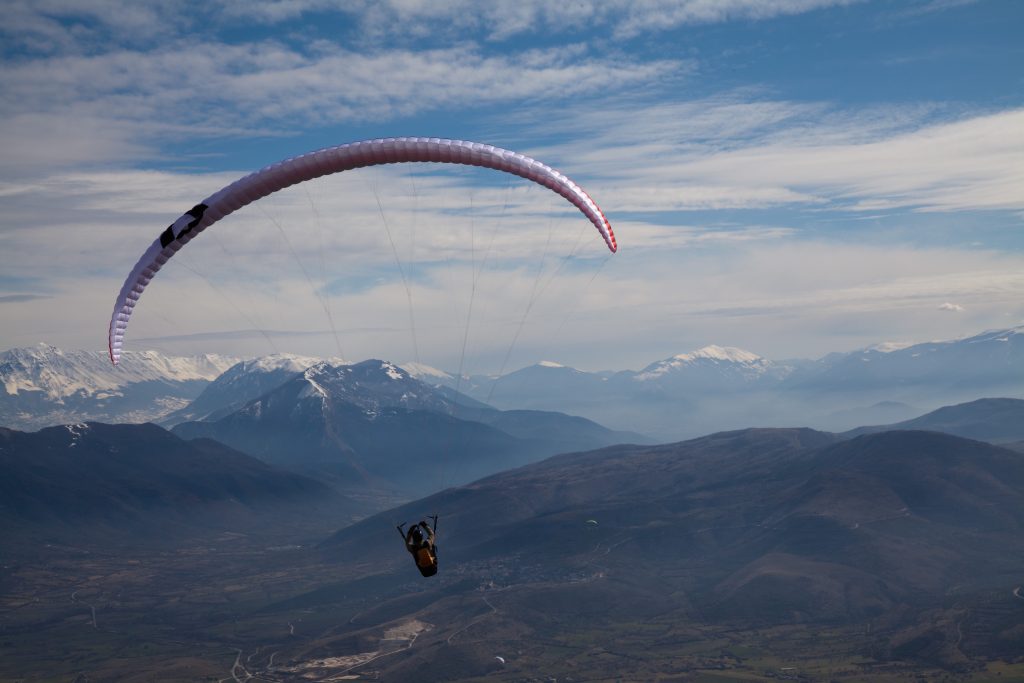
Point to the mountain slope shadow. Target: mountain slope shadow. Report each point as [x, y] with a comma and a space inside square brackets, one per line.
[846, 528]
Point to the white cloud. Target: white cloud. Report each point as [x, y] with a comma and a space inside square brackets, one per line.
[956, 308]
[728, 152]
[129, 102]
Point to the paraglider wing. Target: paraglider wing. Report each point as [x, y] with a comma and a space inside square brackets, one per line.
[323, 162]
[500, 659]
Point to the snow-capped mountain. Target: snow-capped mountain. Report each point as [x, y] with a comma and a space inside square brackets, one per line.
[715, 368]
[719, 357]
[44, 385]
[241, 383]
[61, 374]
[373, 385]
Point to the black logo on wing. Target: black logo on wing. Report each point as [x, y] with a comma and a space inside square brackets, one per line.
[168, 236]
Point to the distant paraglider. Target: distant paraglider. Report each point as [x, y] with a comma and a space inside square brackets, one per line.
[501, 660]
[324, 162]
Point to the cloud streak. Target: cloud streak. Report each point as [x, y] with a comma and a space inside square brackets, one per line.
[19, 298]
[63, 25]
[123, 104]
[728, 152]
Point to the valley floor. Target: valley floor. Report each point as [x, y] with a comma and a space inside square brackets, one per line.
[233, 607]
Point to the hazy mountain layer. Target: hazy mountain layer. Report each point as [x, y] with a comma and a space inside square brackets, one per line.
[997, 420]
[94, 477]
[718, 388]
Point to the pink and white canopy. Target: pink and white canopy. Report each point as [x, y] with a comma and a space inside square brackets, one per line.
[324, 162]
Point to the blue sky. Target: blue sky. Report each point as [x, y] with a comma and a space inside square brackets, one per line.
[791, 177]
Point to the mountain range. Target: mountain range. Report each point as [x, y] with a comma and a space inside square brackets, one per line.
[711, 389]
[371, 423]
[718, 388]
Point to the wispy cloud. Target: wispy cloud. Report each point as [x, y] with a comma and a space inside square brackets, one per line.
[19, 298]
[124, 104]
[926, 7]
[968, 164]
[505, 19]
[66, 26]
[731, 152]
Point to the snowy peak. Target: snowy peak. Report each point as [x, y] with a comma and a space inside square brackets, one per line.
[426, 373]
[278, 362]
[726, 354]
[59, 374]
[551, 367]
[241, 383]
[723, 358]
[371, 376]
[44, 385]
[888, 347]
[367, 372]
[370, 386]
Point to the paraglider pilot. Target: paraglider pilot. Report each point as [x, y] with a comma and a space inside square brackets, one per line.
[419, 541]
